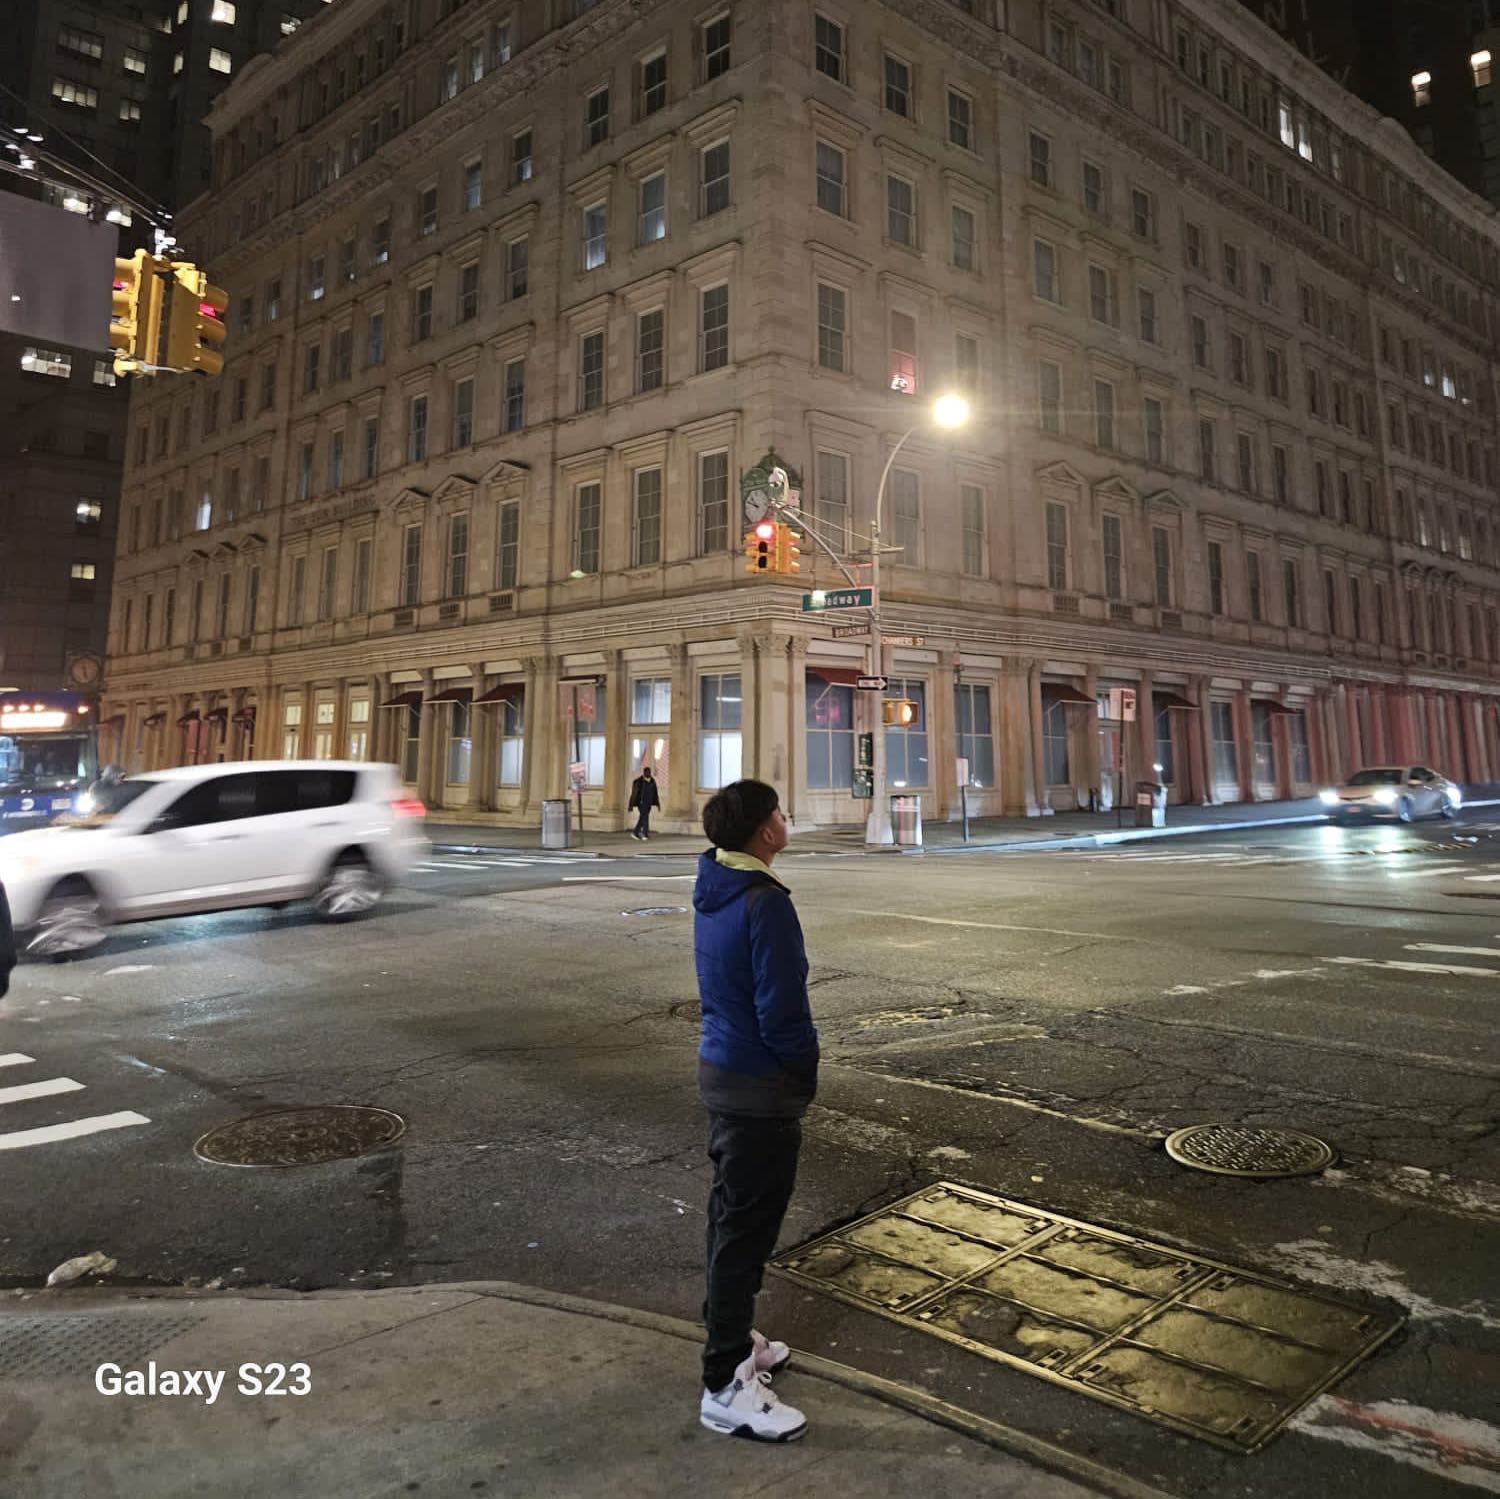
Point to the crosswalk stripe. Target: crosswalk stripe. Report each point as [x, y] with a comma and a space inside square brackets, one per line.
[23, 1091]
[15, 1059]
[1468, 952]
[1448, 968]
[1425, 874]
[1482, 879]
[19, 1139]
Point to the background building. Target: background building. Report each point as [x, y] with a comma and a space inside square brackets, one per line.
[520, 302]
[115, 95]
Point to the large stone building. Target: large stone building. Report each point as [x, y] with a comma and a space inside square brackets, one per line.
[522, 295]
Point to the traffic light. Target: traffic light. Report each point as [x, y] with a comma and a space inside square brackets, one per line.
[899, 711]
[788, 550]
[195, 323]
[135, 311]
[761, 544]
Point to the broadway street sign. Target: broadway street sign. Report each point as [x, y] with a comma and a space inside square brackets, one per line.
[838, 598]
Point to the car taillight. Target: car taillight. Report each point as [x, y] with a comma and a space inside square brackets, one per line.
[412, 808]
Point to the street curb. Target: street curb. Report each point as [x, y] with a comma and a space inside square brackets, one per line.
[1020, 1444]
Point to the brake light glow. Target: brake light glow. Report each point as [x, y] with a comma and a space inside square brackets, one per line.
[409, 808]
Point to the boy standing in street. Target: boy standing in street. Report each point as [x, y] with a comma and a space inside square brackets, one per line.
[757, 1073]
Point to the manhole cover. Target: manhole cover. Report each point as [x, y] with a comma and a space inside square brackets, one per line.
[654, 911]
[301, 1137]
[1231, 1150]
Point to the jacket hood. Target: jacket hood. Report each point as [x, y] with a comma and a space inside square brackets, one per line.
[718, 884]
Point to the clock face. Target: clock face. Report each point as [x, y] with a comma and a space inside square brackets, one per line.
[757, 503]
[84, 671]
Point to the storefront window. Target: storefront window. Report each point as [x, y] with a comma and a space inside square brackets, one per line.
[460, 742]
[719, 730]
[1263, 745]
[291, 731]
[411, 742]
[1226, 751]
[651, 700]
[976, 741]
[906, 745]
[359, 728]
[512, 739]
[323, 714]
[1296, 731]
[591, 701]
[1165, 757]
[830, 735]
[1055, 744]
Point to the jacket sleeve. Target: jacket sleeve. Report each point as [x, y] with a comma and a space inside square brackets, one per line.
[7, 943]
[778, 961]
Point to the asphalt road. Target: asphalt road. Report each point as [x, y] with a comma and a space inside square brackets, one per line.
[1030, 1024]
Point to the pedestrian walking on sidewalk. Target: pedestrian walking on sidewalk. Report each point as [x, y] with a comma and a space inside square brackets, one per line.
[644, 799]
[757, 1073]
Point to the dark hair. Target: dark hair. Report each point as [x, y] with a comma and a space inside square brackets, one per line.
[734, 814]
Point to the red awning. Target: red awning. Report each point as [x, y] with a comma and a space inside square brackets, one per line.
[835, 676]
[506, 692]
[1060, 692]
[1163, 699]
[452, 695]
[1275, 705]
[191, 716]
[404, 700]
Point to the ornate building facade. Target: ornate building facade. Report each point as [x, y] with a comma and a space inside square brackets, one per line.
[522, 291]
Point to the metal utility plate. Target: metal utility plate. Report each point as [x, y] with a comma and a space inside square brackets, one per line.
[1219, 1353]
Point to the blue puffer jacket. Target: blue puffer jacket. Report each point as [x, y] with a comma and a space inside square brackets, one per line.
[759, 1053]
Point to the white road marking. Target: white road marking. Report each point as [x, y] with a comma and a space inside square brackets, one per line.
[607, 879]
[1423, 874]
[23, 1091]
[19, 1139]
[1464, 952]
[15, 1059]
[1456, 1449]
[109, 973]
[1482, 879]
[986, 926]
[1448, 968]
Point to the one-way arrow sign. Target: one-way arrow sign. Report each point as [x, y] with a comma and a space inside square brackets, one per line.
[870, 684]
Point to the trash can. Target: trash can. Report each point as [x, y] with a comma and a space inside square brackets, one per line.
[557, 819]
[1150, 805]
[906, 820]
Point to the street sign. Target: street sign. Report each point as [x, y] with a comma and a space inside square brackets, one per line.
[578, 776]
[838, 598]
[870, 684]
[845, 632]
[908, 640]
[1122, 704]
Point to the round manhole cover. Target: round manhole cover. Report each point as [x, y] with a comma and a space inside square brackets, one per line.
[1232, 1150]
[301, 1137]
[654, 911]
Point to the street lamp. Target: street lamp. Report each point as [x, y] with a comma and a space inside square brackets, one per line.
[949, 412]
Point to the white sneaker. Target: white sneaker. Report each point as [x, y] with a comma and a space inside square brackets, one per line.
[771, 1357]
[749, 1407]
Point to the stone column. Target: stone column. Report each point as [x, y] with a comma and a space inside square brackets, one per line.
[380, 733]
[1473, 743]
[683, 772]
[481, 738]
[1457, 745]
[1357, 755]
[1203, 742]
[618, 772]
[427, 791]
[1034, 721]
[1086, 720]
[942, 741]
[1244, 744]
[753, 711]
[541, 735]
[1017, 780]
[788, 659]
[1143, 731]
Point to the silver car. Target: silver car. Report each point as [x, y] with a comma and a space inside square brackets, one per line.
[1404, 792]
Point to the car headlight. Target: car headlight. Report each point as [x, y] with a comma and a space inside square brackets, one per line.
[1455, 796]
[1329, 797]
[1385, 796]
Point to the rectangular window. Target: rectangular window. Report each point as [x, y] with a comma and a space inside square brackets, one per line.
[411, 567]
[1208, 468]
[1292, 589]
[713, 175]
[596, 118]
[586, 528]
[715, 45]
[897, 85]
[508, 545]
[906, 744]
[1155, 425]
[828, 48]
[371, 461]
[591, 371]
[906, 506]
[960, 120]
[1142, 214]
[1044, 263]
[1226, 747]
[335, 460]
[312, 357]
[653, 95]
[713, 503]
[1049, 395]
[832, 326]
[971, 504]
[965, 238]
[463, 413]
[1101, 294]
[1239, 364]
[650, 340]
[831, 501]
[713, 328]
[901, 211]
[652, 211]
[304, 476]
[719, 756]
[515, 395]
[517, 258]
[645, 527]
[427, 211]
[1040, 159]
[421, 314]
[595, 236]
[830, 734]
[359, 593]
[966, 363]
[1252, 585]
[1161, 565]
[456, 579]
[1104, 414]
[1244, 455]
[1146, 306]
[904, 353]
[832, 172]
[1215, 578]
[1093, 189]
[1198, 328]
[327, 575]
[520, 157]
[1055, 757]
[416, 429]
[468, 292]
[296, 596]
[1057, 546]
[975, 731]
[1114, 556]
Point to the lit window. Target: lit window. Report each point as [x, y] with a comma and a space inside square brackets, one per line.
[84, 570]
[1421, 89]
[223, 12]
[130, 111]
[1480, 64]
[104, 372]
[135, 62]
[47, 362]
[289, 23]
[177, 62]
[88, 512]
[218, 60]
[67, 92]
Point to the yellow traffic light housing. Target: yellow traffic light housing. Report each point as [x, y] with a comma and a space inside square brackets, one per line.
[788, 550]
[135, 312]
[900, 712]
[195, 322]
[761, 547]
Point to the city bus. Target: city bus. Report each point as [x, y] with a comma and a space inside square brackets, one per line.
[48, 754]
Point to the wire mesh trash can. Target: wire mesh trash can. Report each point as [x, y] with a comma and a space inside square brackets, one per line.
[1150, 805]
[906, 820]
[557, 818]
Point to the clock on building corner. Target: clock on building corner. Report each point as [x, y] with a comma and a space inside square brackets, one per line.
[84, 671]
[764, 485]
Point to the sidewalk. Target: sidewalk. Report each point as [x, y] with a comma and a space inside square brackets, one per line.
[488, 1388]
[1063, 830]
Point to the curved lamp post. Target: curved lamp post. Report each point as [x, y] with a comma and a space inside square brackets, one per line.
[947, 412]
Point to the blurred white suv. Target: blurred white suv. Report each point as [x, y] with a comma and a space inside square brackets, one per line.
[212, 838]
